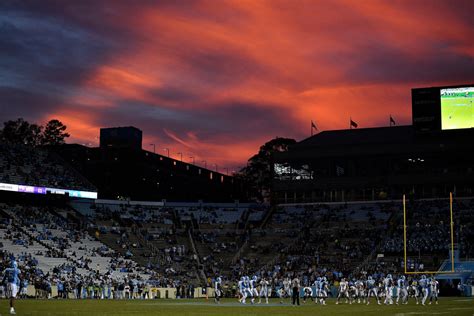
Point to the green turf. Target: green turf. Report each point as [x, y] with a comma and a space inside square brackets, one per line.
[456, 112]
[447, 306]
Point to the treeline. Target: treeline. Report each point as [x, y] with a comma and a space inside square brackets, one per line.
[22, 132]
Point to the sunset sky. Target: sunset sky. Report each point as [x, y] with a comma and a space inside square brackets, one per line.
[217, 79]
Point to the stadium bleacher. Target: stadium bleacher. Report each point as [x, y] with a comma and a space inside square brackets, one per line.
[85, 245]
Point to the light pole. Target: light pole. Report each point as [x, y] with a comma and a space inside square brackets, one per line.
[205, 164]
[216, 167]
[192, 157]
[168, 151]
[226, 171]
[154, 148]
[181, 155]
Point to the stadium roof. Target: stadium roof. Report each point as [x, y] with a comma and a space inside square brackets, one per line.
[379, 141]
[396, 134]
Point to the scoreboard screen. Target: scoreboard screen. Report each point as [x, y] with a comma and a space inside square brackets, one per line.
[456, 108]
[443, 108]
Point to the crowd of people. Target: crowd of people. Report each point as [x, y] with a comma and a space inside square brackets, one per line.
[40, 167]
[309, 247]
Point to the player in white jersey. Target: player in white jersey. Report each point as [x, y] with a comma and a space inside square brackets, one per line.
[425, 289]
[353, 293]
[372, 289]
[253, 288]
[264, 290]
[402, 292]
[388, 289]
[361, 293]
[242, 291]
[307, 293]
[434, 290]
[413, 290]
[218, 290]
[343, 290]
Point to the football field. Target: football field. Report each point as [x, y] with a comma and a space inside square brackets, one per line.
[229, 307]
[456, 112]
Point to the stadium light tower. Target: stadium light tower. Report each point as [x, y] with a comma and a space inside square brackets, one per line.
[168, 151]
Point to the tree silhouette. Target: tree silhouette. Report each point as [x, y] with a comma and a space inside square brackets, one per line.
[54, 133]
[258, 173]
[21, 132]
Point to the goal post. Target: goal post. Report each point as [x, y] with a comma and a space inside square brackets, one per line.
[405, 239]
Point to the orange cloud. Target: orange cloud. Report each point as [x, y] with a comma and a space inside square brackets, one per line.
[178, 71]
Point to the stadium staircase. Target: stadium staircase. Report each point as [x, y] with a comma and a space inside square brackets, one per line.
[199, 266]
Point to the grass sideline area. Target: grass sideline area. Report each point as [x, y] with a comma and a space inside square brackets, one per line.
[229, 307]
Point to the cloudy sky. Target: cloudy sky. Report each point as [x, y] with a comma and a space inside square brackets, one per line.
[216, 79]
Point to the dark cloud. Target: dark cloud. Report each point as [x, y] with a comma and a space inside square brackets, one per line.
[40, 52]
[15, 103]
[226, 71]
[388, 64]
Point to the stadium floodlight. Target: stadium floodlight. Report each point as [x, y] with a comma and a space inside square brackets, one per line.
[405, 239]
[154, 148]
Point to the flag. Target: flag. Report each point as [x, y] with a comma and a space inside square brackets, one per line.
[353, 124]
[392, 121]
[313, 126]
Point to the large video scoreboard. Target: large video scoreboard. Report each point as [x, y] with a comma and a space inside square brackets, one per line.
[443, 108]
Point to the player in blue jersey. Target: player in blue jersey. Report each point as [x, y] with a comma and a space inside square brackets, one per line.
[323, 290]
[425, 288]
[402, 290]
[388, 289]
[247, 292]
[371, 286]
[242, 290]
[11, 281]
[253, 288]
[317, 291]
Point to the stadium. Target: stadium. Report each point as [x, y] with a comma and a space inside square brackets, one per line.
[380, 215]
[236, 157]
